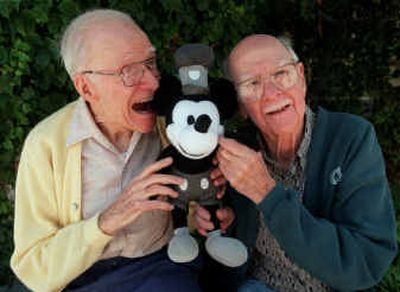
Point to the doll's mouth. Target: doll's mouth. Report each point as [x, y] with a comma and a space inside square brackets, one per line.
[194, 156]
[143, 107]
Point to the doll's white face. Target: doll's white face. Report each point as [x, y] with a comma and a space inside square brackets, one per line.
[195, 128]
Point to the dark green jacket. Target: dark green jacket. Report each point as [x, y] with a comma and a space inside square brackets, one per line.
[344, 232]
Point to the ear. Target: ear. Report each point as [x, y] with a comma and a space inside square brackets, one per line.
[224, 95]
[302, 77]
[83, 87]
[169, 89]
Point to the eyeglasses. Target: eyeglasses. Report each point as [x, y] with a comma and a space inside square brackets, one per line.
[132, 73]
[283, 78]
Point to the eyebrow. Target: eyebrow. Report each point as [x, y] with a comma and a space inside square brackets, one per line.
[246, 76]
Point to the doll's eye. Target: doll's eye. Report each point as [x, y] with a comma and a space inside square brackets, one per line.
[190, 120]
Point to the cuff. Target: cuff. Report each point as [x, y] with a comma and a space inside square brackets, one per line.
[272, 199]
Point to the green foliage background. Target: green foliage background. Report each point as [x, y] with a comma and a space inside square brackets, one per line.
[350, 50]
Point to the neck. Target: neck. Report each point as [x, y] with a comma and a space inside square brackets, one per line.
[283, 147]
[120, 139]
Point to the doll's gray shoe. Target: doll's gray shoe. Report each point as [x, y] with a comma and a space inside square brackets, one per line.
[183, 247]
[226, 250]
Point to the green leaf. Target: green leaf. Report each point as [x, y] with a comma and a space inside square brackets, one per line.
[8, 6]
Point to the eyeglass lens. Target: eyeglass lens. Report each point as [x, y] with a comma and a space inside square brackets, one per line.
[132, 73]
[284, 78]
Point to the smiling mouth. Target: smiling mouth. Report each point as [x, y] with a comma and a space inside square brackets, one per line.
[277, 108]
[189, 154]
[143, 107]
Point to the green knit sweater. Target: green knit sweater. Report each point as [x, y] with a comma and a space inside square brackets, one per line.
[344, 232]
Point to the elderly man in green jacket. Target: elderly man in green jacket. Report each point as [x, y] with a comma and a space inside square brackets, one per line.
[309, 191]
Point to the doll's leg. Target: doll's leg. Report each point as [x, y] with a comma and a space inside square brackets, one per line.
[228, 251]
[179, 217]
[182, 247]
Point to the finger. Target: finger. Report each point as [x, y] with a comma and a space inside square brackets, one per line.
[164, 179]
[221, 192]
[215, 160]
[224, 154]
[202, 213]
[226, 167]
[224, 226]
[201, 223]
[215, 173]
[202, 231]
[162, 198]
[226, 217]
[219, 182]
[160, 190]
[222, 213]
[155, 167]
[153, 205]
[232, 145]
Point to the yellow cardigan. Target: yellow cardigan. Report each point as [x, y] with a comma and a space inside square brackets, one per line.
[53, 245]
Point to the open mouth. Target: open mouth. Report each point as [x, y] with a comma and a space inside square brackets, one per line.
[143, 107]
[279, 110]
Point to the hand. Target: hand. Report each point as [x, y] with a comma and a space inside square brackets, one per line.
[135, 199]
[218, 180]
[202, 219]
[245, 169]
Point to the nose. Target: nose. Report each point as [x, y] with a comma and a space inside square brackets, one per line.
[269, 89]
[151, 77]
[202, 124]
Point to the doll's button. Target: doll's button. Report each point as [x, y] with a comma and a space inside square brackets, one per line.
[204, 183]
[184, 185]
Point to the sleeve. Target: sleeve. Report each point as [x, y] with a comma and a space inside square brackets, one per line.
[48, 254]
[350, 244]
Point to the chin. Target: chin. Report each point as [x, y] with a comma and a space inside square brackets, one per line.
[143, 123]
[144, 129]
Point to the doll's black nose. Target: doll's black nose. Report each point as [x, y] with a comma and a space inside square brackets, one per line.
[202, 124]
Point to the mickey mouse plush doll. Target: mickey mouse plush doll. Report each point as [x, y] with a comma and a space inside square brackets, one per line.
[194, 111]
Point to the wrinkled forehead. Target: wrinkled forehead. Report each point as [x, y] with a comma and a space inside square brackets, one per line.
[255, 54]
[120, 43]
[113, 33]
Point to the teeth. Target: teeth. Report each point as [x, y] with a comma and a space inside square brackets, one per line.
[277, 107]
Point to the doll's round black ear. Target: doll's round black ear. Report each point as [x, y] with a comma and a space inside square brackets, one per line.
[169, 89]
[224, 95]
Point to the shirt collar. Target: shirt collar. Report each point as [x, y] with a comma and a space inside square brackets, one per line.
[83, 126]
[305, 143]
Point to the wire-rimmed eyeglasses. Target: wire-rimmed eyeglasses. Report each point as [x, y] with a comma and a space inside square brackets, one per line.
[283, 78]
[132, 73]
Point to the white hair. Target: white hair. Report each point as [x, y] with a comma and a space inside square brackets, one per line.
[75, 38]
[287, 43]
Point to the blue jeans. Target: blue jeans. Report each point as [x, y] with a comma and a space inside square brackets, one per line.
[253, 285]
[154, 272]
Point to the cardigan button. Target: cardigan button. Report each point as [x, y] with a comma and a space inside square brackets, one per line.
[75, 205]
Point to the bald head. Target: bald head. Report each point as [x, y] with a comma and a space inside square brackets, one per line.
[260, 46]
[91, 28]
